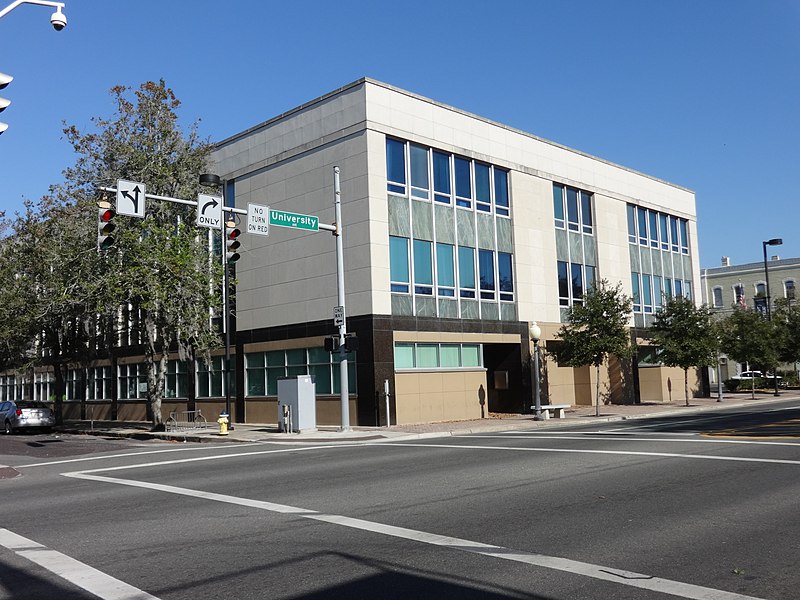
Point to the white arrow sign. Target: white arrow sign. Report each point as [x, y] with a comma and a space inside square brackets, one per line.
[130, 198]
[209, 211]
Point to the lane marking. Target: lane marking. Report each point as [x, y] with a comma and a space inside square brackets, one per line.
[129, 454]
[82, 575]
[776, 461]
[618, 576]
[126, 455]
[630, 439]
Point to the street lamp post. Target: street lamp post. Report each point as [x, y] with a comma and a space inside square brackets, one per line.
[772, 242]
[535, 334]
[211, 179]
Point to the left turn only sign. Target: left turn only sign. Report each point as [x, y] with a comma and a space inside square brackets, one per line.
[209, 211]
[130, 198]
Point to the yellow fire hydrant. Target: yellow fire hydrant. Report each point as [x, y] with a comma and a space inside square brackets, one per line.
[223, 423]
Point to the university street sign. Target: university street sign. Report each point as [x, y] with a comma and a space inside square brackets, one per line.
[281, 218]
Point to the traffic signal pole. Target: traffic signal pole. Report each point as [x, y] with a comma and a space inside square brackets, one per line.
[344, 390]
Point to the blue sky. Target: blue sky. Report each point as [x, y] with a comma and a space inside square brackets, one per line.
[700, 93]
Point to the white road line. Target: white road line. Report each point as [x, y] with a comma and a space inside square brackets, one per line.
[632, 439]
[628, 578]
[129, 454]
[82, 575]
[776, 461]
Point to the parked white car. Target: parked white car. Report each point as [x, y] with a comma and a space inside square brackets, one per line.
[748, 375]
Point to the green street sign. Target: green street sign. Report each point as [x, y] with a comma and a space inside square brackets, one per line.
[281, 218]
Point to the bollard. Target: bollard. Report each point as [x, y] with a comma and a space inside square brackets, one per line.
[223, 423]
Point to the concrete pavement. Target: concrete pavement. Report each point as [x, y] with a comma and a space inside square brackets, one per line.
[577, 415]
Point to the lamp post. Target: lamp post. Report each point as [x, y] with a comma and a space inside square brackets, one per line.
[772, 242]
[210, 179]
[535, 333]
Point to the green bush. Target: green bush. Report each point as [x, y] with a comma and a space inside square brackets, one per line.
[731, 384]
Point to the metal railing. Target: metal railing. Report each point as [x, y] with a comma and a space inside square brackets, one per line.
[186, 420]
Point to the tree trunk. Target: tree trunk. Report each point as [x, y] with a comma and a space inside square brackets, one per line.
[58, 385]
[597, 392]
[686, 385]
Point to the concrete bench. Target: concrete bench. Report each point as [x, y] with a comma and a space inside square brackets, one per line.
[556, 409]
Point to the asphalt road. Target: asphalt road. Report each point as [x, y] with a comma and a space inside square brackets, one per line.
[693, 507]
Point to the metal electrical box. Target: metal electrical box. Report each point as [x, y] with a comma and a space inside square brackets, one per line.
[297, 404]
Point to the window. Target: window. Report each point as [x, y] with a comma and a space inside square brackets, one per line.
[647, 293]
[483, 197]
[43, 387]
[586, 213]
[100, 384]
[788, 289]
[431, 356]
[653, 228]
[673, 233]
[445, 270]
[667, 288]
[558, 206]
[662, 219]
[505, 274]
[73, 383]
[761, 290]
[463, 183]
[574, 280]
[658, 292]
[466, 272]
[687, 289]
[177, 380]
[264, 369]
[398, 264]
[572, 209]
[395, 166]
[132, 382]
[210, 378]
[717, 292]
[423, 268]
[486, 270]
[636, 295]
[563, 284]
[441, 178]
[420, 187]
[678, 288]
[576, 271]
[501, 204]
[642, 215]
[684, 237]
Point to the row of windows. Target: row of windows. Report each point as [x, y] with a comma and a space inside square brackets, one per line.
[576, 206]
[657, 230]
[408, 355]
[415, 263]
[413, 168]
[651, 291]
[264, 369]
[574, 280]
[760, 291]
[262, 373]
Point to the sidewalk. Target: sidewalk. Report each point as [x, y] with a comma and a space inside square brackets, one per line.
[577, 415]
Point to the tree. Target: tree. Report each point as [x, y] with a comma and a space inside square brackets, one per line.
[686, 336]
[48, 290]
[58, 292]
[596, 329]
[158, 265]
[747, 337]
[787, 319]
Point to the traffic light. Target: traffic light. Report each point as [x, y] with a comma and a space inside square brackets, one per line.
[4, 102]
[232, 242]
[105, 225]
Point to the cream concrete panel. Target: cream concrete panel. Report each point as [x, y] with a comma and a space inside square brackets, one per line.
[429, 397]
[611, 233]
[665, 384]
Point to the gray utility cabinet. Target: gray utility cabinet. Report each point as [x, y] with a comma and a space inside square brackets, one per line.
[297, 404]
